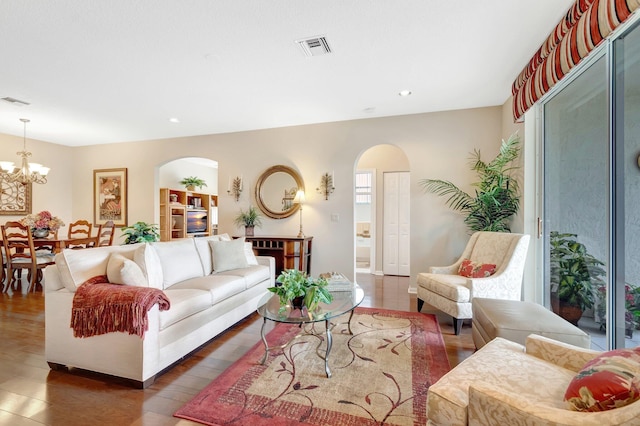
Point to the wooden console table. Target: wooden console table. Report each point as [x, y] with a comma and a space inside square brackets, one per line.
[289, 252]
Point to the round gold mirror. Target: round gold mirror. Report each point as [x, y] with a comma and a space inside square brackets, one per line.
[275, 191]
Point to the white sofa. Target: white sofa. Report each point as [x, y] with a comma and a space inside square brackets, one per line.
[204, 303]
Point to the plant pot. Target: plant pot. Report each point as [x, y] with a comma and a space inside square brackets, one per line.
[297, 302]
[191, 188]
[248, 231]
[570, 313]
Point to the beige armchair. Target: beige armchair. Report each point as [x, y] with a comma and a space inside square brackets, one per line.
[506, 383]
[451, 293]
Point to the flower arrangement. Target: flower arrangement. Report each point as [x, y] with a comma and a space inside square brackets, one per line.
[42, 220]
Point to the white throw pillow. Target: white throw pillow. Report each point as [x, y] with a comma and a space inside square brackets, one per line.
[251, 257]
[224, 237]
[121, 270]
[147, 259]
[228, 255]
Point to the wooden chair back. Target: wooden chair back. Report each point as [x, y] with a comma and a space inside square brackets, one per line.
[106, 233]
[79, 229]
[19, 252]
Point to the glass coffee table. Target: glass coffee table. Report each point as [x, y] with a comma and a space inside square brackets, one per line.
[343, 302]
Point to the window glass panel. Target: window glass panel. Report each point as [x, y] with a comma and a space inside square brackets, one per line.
[576, 196]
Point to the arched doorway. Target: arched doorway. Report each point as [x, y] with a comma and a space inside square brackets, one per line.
[373, 228]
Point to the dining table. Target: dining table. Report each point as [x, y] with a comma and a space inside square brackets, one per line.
[59, 244]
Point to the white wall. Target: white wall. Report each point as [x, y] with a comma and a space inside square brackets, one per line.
[171, 173]
[436, 144]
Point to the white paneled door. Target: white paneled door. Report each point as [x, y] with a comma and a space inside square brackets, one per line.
[396, 228]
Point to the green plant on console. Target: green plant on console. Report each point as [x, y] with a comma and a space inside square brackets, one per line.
[191, 182]
[250, 217]
[140, 232]
[496, 197]
[297, 284]
[574, 273]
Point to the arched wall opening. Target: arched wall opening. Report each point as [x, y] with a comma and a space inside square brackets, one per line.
[369, 218]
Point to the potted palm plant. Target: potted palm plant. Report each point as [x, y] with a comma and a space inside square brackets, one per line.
[300, 290]
[496, 197]
[191, 182]
[574, 276]
[249, 219]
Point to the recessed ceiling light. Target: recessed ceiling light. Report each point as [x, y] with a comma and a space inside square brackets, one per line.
[174, 120]
[404, 93]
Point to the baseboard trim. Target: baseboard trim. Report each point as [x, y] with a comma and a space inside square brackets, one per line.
[380, 273]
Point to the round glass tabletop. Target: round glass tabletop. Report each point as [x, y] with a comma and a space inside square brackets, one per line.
[343, 302]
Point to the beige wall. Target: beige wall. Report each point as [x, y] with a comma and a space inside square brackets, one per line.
[437, 145]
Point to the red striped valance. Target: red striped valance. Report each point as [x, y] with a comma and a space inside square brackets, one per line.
[585, 25]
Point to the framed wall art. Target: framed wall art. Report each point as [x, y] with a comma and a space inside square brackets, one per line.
[15, 198]
[110, 196]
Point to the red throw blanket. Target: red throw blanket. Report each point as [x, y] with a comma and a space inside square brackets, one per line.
[100, 307]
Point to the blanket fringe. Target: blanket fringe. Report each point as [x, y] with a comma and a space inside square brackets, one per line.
[100, 308]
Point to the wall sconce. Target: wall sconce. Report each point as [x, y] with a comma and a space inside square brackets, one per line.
[326, 185]
[234, 187]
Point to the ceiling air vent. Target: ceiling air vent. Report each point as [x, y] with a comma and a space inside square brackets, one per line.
[315, 46]
[15, 101]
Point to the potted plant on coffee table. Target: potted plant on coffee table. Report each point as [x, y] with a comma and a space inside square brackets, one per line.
[574, 276]
[296, 288]
[249, 219]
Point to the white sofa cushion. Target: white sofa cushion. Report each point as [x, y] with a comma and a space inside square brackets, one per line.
[147, 259]
[204, 251]
[220, 287]
[228, 255]
[251, 257]
[252, 275]
[77, 266]
[121, 270]
[180, 261]
[184, 303]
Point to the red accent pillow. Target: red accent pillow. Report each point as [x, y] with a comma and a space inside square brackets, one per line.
[471, 269]
[608, 381]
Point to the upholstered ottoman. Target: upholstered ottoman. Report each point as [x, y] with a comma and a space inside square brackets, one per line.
[515, 320]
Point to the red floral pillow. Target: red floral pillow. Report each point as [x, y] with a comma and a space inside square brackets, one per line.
[471, 269]
[608, 381]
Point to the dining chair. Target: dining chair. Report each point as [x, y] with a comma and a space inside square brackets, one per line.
[106, 233]
[20, 254]
[79, 235]
[79, 229]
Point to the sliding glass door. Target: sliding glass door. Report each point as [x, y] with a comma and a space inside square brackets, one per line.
[626, 297]
[591, 195]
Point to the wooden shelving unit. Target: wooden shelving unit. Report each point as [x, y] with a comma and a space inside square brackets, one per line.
[175, 208]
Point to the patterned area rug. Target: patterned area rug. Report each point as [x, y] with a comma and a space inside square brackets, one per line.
[380, 376]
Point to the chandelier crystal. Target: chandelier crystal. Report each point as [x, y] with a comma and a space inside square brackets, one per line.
[26, 172]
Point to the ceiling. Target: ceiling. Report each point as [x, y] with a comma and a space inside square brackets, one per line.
[110, 71]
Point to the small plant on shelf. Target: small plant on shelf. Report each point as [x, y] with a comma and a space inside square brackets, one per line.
[191, 182]
[296, 287]
[140, 232]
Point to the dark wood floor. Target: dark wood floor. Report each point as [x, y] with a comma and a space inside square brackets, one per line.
[31, 394]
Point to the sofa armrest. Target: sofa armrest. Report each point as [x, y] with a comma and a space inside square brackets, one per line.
[559, 353]
[269, 261]
[489, 405]
[52, 279]
[448, 270]
[495, 287]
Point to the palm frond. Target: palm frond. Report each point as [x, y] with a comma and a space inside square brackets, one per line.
[496, 197]
[458, 199]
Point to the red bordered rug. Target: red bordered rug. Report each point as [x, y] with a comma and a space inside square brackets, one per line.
[380, 376]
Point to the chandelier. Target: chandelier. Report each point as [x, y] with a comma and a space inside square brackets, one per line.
[26, 172]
